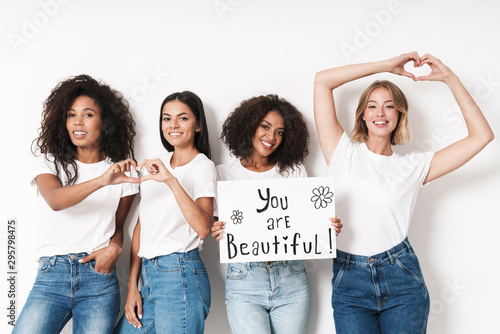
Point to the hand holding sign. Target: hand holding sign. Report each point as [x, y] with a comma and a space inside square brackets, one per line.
[337, 225]
[217, 229]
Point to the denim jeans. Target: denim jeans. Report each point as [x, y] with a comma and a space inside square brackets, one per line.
[175, 295]
[383, 293]
[66, 289]
[264, 297]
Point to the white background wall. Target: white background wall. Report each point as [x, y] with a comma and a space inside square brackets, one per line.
[229, 50]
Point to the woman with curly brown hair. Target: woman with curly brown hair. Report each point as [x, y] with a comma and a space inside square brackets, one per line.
[86, 148]
[269, 137]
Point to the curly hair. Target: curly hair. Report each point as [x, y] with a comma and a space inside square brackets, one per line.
[194, 103]
[240, 126]
[117, 126]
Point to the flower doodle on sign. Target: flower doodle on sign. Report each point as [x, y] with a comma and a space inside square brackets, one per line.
[237, 217]
[322, 196]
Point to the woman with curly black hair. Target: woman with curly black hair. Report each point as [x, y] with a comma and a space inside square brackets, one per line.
[269, 137]
[86, 148]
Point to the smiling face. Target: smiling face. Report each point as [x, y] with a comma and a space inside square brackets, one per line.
[179, 124]
[83, 123]
[380, 115]
[269, 134]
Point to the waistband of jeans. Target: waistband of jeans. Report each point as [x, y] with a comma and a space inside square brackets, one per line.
[181, 255]
[388, 256]
[65, 257]
[267, 264]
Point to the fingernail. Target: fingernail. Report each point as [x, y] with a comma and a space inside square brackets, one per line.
[140, 316]
[81, 261]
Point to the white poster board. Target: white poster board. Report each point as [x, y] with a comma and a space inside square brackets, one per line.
[277, 219]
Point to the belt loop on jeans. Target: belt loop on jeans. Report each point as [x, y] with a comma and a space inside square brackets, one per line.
[407, 245]
[348, 259]
[391, 258]
[53, 260]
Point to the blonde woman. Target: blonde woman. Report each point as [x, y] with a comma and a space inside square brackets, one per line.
[378, 286]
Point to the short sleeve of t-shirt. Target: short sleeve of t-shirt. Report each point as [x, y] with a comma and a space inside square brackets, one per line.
[42, 165]
[130, 188]
[204, 175]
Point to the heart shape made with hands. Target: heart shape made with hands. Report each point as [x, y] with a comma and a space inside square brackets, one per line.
[421, 71]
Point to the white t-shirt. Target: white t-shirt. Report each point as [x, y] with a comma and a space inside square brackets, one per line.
[234, 171]
[86, 226]
[374, 195]
[164, 230]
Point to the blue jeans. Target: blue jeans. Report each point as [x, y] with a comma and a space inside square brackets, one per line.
[66, 289]
[175, 295]
[383, 293]
[264, 297]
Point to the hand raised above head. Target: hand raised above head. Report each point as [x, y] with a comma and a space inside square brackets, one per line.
[397, 64]
[439, 71]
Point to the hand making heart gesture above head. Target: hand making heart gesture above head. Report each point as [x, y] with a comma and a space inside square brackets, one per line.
[438, 71]
[397, 64]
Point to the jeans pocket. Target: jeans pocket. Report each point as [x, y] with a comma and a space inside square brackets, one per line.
[236, 271]
[296, 267]
[203, 285]
[338, 272]
[409, 264]
[92, 267]
[167, 263]
[44, 265]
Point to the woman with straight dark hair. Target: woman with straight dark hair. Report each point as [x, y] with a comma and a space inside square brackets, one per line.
[378, 286]
[175, 215]
[86, 146]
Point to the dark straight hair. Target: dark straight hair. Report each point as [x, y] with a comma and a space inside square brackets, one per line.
[194, 103]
